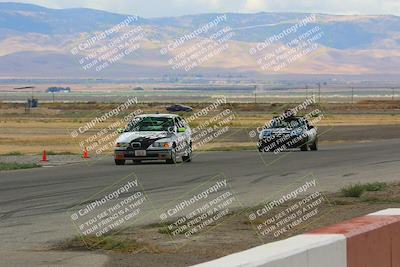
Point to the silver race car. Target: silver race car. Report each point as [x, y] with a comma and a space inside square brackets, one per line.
[154, 137]
[291, 132]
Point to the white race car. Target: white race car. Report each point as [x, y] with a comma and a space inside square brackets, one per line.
[292, 132]
[154, 137]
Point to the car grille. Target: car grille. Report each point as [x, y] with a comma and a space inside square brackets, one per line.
[136, 145]
[142, 143]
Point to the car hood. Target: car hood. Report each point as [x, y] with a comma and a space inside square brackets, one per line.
[130, 136]
[278, 130]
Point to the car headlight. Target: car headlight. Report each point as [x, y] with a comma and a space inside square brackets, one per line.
[121, 144]
[296, 132]
[265, 133]
[165, 145]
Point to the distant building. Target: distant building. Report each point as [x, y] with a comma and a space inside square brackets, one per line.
[58, 90]
[32, 103]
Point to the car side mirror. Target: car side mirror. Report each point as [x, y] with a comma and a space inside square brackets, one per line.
[181, 130]
[172, 129]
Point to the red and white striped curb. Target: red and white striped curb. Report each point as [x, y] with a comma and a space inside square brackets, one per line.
[367, 241]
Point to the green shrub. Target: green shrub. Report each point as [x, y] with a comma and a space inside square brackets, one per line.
[114, 243]
[377, 186]
[16, 153]
[355, 190]
[6, 166]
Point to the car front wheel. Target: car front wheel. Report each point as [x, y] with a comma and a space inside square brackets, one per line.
[172, 160]
[188, 157]
[304, 147]
[119, 162]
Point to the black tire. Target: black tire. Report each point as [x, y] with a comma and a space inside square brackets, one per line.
[314, 146]
[304, 147]
[261, 148]
[188, 158]
[119, 162]
[172, 160]
[137, 161]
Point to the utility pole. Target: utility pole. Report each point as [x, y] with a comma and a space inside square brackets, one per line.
[392, 94]
[352, 95]
[319, 92]
[306, 91]
[255, 94]
[27, 107]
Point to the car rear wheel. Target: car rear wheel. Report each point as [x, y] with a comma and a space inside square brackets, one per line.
[119, 162]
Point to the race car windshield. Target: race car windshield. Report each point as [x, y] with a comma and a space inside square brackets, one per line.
[150, 124]
[288, 123]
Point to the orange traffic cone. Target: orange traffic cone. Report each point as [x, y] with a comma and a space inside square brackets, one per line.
[44, 156]
[85, 153]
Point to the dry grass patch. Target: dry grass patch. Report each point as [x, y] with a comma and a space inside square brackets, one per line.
[112, 242]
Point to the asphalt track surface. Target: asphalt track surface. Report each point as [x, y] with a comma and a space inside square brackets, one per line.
[34, 203]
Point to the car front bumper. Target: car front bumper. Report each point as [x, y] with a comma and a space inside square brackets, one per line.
[151, 154]
[281, 142]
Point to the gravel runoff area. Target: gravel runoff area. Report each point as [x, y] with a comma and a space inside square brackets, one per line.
[53, 160]
[152, 246]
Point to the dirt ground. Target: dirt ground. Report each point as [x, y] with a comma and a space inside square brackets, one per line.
[155, 247]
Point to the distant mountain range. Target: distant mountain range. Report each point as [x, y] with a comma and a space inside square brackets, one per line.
[37, 42]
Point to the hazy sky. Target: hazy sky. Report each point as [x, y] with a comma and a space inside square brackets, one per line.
[162, 8]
